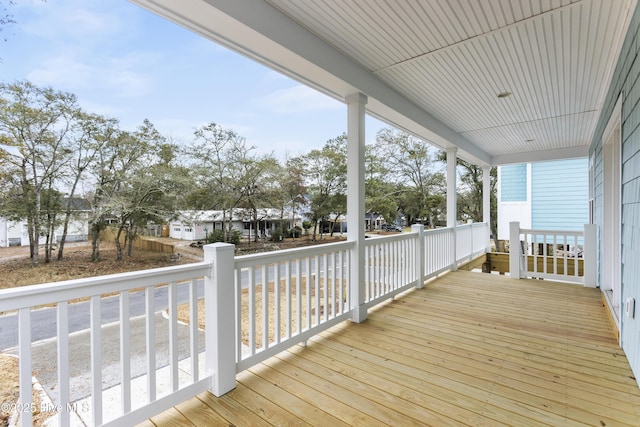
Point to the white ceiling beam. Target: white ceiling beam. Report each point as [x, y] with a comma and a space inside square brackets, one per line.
[541, 156]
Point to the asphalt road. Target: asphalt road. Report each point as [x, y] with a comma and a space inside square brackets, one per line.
[44, 363]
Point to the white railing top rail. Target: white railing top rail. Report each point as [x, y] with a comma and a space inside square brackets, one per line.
[36, 295]
[252, 260]
[390, 238]
[442, 230]
[552, 232]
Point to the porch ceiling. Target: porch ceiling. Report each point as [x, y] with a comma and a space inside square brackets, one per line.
[435, 68]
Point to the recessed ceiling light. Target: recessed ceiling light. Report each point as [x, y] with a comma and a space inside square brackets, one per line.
[504, 94]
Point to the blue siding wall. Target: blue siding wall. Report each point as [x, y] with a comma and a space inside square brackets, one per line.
[625, 84]
[560, 195]
[513, 183]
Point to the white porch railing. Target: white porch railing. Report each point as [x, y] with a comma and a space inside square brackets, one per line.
[25, 299]
[552, 254]
[390, 266]
[306, 290]
[255, 307]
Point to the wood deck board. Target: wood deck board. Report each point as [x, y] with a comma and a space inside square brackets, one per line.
[357, 393]
[494, 364]
[497, 380]
[408, 383]
[495, 332]
[470, 392]
[258, 404]
[469, 348]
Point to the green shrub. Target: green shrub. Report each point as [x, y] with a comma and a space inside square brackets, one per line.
[294, 232]
[307, 225]
[233, 237]
[277, 235]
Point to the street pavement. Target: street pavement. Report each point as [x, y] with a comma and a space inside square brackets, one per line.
[45, 364]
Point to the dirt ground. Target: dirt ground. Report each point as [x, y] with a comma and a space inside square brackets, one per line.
[16, 268]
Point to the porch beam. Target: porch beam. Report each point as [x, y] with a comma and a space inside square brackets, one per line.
[541, 156]
[355, 199]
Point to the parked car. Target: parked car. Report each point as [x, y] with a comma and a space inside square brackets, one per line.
[391, 227]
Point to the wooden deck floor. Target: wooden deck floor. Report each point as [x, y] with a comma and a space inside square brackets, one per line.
[469, 349]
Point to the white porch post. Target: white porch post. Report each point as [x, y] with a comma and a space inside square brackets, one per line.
[589, 255]
[355, 200]
[486, 194]
[420, 250]
[486, 203]
[452, 201]
[219, 317]
[515, 250]
[451, 187]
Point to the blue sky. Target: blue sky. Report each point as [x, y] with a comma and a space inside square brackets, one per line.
[126, 63]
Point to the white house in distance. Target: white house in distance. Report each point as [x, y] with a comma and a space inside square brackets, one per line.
[195, 225]
[14, 233]
[551, 195]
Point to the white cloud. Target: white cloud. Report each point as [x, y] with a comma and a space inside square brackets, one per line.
[71, 19]
[119, 75]
[297, 99]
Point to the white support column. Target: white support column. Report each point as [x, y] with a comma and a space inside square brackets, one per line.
[486, 203]
[589, 255]
[451, 187]
[452, 202]
[219, 317]
[515, 250]
[355, 199]
[420, 250]
[486, 195]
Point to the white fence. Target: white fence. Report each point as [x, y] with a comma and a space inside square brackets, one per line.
[553, 254]
[255, 306]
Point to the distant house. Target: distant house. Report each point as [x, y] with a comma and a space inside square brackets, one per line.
[373, 221]
[195, 225]
[544, 196]
[14, 233]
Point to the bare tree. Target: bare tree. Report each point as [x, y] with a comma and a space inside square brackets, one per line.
[410, 161]
[85, 142]
[326, 174]
[36, 122]
[107, 135]
[218, 159]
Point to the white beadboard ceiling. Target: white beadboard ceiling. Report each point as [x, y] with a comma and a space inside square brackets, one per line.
[435, 67]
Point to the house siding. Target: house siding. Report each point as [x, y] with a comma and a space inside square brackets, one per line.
[560, 195]
[513, 186]
[551, 195]
[625, 85]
